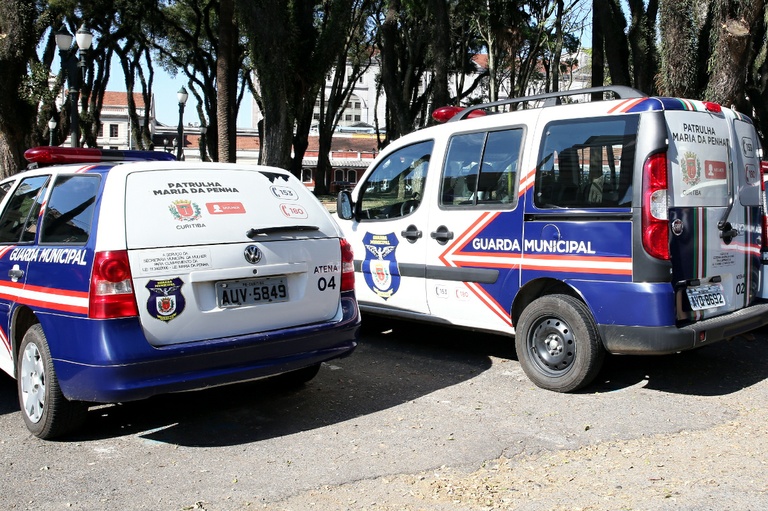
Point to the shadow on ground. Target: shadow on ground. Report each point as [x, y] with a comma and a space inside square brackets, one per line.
[390, 367]
[396, 362]
[719, 369]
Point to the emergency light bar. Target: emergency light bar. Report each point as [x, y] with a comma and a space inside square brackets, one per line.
[50, 155]
[446, 113]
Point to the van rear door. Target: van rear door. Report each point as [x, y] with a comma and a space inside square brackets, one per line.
[713, 212]
[227, 253]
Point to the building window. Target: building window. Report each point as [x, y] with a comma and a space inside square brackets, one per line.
[113, 131]
[101, 129]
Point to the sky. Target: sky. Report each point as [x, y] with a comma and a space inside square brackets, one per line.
[165, 88]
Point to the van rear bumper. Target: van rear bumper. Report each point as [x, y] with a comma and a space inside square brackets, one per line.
[142, 371]
[662, 340]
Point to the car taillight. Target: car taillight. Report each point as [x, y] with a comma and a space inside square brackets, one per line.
[111, 294]
[654, 209]
[347, 266]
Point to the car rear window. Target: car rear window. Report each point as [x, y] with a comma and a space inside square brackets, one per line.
[202, 206]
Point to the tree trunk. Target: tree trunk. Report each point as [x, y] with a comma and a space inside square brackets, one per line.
[17, 113]
[680, 44]
[226, 82]
[731, 40]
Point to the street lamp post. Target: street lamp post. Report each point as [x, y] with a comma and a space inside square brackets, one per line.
[203, 141]
[51, 131]
[182, 95]
[74, 68]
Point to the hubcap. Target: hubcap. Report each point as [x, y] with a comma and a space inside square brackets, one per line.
[32, 381]
[552, 345]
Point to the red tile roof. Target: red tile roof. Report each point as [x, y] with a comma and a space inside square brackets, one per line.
[121, 99]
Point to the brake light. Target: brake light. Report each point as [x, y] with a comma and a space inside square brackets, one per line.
[347, 266]
[655, 221]
[50, 155]
[764, 204]
[446, 113]
[111, 294]
[713, 107]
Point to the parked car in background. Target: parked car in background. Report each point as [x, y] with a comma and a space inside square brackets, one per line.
[123, 279]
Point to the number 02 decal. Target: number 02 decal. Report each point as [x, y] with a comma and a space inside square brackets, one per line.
[323, 283]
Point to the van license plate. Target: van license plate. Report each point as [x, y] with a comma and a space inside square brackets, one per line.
[237, 293]
[705, 297]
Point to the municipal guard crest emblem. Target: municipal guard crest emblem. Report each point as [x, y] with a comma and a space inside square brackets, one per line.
[380, 266]
[165, 299]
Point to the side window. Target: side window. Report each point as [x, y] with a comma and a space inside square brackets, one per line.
[395, 188]
[587, 164]
[5, 188]
[481, 169]
[69, 213]
[19, 219]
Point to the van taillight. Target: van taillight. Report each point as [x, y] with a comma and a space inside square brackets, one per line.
[347, 266]
[654, 210]
[111, 293]
[764, 204]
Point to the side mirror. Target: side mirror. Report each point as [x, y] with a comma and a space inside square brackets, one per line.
[344, 205]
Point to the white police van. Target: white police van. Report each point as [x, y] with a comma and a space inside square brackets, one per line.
[630, 225]
[123, 280]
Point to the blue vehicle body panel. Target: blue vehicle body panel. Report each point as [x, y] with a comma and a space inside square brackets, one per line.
[110, 360]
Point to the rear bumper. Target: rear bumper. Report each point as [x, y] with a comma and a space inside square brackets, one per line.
[122, 366]
[660, 340]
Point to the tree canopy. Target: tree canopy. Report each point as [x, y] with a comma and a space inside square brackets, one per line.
[293, 55]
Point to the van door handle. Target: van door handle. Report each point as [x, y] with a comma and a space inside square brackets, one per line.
[442, 235]
[411, 233]
[15, 273]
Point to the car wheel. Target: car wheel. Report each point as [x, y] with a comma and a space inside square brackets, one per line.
[558, 344]
[46, 412]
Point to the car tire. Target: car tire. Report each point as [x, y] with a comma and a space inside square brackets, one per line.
[46, 412]
[558, 344]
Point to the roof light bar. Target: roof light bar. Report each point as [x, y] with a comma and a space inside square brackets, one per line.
[50, 155]
[446, 113]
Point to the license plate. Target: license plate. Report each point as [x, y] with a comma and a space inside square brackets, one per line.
[705, 297]
[237, 293]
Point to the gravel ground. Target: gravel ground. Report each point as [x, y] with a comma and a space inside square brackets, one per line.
[719, 468]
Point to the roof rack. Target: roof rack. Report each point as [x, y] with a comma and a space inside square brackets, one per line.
[553, 98]
[53, 155]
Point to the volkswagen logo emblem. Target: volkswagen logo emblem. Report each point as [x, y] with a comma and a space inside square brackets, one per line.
[252, 254]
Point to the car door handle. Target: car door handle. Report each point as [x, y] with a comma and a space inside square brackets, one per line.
[442, 235]
[411, 233]
[15, 273]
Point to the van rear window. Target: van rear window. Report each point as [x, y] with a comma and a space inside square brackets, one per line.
[587, 164]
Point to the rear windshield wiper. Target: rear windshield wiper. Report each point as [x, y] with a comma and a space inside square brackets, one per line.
[252, 233]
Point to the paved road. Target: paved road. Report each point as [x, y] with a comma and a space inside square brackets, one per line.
[410, 401]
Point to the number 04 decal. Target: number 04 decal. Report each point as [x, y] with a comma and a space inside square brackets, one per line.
[323, 283]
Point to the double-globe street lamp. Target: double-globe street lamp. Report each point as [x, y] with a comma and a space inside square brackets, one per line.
[74, 66]
[182, 95]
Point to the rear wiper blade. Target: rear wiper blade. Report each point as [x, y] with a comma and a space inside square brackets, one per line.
[252, 233]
